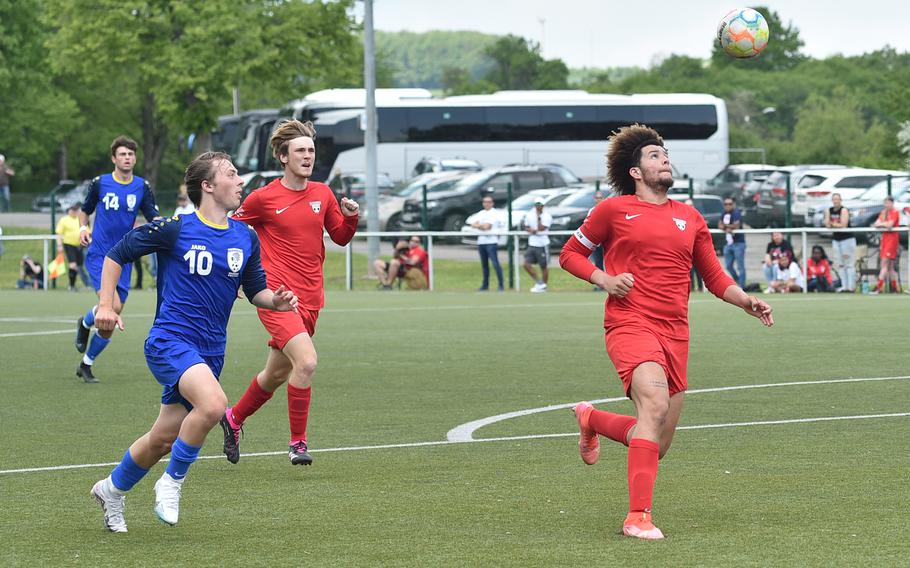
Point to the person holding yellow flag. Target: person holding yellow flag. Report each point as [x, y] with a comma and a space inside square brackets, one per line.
[68, 245]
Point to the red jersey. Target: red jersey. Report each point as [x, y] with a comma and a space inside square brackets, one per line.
[657, 245]
[290, 224]
[820, 270]
[422, 259]
[890, 238]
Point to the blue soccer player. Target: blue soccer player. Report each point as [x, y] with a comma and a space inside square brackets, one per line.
[116, 199]
[203, 259]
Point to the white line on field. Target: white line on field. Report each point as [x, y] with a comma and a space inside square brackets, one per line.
[27, 333]
[465, 432]
[475, 441]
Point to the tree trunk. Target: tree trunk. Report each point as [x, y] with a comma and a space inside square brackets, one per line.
[154, 140]
[61, 162]
[203, 142]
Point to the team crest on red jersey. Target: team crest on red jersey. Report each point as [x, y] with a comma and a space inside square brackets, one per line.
[316, 205]
[680, 224]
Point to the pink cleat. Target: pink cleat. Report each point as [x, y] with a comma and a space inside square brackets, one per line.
[639, 525]
[588, 442]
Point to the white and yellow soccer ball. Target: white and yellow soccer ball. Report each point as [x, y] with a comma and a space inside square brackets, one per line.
[743, 33]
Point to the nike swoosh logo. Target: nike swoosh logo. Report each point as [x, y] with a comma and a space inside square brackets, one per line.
[632, 216]
[280, 211]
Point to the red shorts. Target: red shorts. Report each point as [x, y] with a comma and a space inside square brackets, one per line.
[888, 248]
[282, 326]
[630, 346]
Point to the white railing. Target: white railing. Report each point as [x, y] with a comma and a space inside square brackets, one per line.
[804, 232]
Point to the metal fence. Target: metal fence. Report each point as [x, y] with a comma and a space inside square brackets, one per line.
[515, 237]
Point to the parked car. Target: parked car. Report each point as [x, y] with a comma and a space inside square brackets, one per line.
[569, 213]
[520, 207]
[771, 200]
[732, 180]
[816, 187]
[429, 165]
[865, 209]
[448, 210]
[391, 205]
[353, 185]
[68, 193]
[872, 197]
[254, 180]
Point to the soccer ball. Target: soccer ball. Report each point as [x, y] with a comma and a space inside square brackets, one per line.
[743, 33]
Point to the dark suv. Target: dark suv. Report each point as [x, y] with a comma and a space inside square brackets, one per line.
[447, 210]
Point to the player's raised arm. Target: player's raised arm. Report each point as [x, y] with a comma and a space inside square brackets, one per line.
[341, 220]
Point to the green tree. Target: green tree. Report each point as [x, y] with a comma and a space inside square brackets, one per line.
[830, 129]
[518, 65]
[782, 51]
[37, 115]
[177, 61]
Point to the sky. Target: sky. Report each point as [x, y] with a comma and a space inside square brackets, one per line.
[621, 33]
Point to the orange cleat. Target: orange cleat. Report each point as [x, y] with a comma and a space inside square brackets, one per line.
[639, 525]
[588, 442]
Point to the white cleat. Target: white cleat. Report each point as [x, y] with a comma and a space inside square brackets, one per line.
[167, 499]
[111, 502]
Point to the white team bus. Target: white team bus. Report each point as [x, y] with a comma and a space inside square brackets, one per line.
[507, 127]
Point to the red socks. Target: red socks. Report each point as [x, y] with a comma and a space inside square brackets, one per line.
[254, 397]
[298, 412]
[643, 457]
[613, 426]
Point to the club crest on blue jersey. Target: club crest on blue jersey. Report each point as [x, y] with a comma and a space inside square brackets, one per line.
[131, 202]
[316, 205]
[680, 224]
[235, 260]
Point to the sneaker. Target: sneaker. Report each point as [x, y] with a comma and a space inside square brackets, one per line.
[167, 499]
[82, 334]
[588, 441]
[299, 454]
[111, 505]
[639, 525]
[84, 372]
[231, 437]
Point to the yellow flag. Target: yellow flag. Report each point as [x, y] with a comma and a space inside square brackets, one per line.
[56, 267]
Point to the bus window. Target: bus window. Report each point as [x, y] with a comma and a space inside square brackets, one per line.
[682, 122]
[571, 123]
[393, 124]
[514, 123]
[445, 124]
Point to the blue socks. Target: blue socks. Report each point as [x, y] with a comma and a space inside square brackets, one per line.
[182, 457]
[89, 318]
[95, 346]
[127, 473]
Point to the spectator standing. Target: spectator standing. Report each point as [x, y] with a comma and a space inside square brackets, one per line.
[489, 220]
[537, 223]
[5, 173]
[67, 231]
[888, 219]
[777, 247]
[818, 271]
[838, 217]
[787, 276]
[735, 249]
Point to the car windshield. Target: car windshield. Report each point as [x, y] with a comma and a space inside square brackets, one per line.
[527, 200]
[878, 191]
[433, 183]
[583, 199]
[469, 182]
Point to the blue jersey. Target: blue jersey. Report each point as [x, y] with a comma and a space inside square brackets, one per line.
[200, 268]
[116, 206]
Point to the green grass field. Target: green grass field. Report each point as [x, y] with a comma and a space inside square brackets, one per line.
[403, 369]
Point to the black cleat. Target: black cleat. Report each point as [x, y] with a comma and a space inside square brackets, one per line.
[85, 373]
[299, 455]
[231, 439]
[81, 336]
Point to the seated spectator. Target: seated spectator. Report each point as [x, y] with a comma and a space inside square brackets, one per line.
[31, 274]
[818, 272]
[787, 276]
[773, 251]
[406, 264]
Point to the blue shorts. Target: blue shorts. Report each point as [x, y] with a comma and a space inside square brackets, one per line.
[95, 262]
[168, 358]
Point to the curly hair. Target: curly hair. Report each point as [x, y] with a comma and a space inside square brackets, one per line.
[625, 153]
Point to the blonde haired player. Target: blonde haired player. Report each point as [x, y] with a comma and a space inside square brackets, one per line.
[289, 215]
